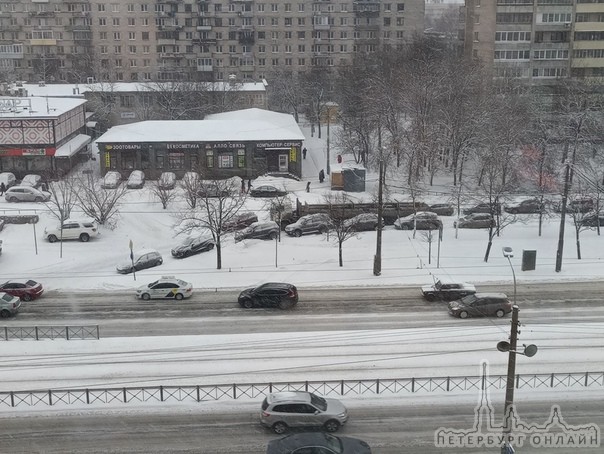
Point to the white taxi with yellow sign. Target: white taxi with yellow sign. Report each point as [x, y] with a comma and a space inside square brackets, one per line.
[168, 287]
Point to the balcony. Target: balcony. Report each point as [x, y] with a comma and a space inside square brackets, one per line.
[77, 28]
[43, 42]
[170, 55]
[166, 42]
[12, 55]
[366, 9]
[205, 68]
[42, 13]
[202, 41]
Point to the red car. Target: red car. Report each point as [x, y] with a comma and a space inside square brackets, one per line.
[25, 289]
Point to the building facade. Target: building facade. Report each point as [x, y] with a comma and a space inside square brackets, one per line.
[144, 40]
[243, 143]
[42, 135]
[537, 40]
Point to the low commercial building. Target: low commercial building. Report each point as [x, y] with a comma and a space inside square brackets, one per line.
[42, 135]
[244, 143]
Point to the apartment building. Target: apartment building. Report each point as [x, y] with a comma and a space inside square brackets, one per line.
[537, 40]
[197, 40]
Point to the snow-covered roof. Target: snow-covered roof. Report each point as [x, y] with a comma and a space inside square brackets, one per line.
[241, 125]
[37, 107]
[78, 90]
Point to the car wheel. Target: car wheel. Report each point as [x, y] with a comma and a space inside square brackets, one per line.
[52, 238]
[4, 313]
[146, 296]
[285, 305]
[405, 227]
[248, 304]
[463, 314]
[210, 247]
[84, 237]
[322, 230]
[159, 262]
[500, 313]
[26, 297]
[178, 296]
[38, 199]
[12, 199]
[280, 428]
[332, 425]
[431, 297]
[298, 233]
[272, 236]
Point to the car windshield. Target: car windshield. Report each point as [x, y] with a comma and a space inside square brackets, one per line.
[181, 283]
[318, 402]
[152, 284]
[438, 285]
[7, 297]
[333, 443]
[31, 283]
[468, 299]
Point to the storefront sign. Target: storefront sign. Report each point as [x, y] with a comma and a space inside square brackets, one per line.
[182, 146]
[123, 146]
[34, 152]
[225, 145]
[27, 151]
[277, 144]
[127, 115]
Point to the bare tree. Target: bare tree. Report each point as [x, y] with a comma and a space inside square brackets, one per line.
[285, 94]
[212, 213]
[342, 230]
[100, 204]
[163, 193]
[62, 199]
[191, 184]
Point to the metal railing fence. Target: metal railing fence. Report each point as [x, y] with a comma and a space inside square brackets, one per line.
[50, 332]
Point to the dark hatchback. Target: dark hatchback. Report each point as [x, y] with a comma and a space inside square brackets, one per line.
[317, 442]
[491, 208]
[267, 191]
[239, 221]
[26, 289]
[530, 206]
[481, 305]
[271, 294]
[192, 246]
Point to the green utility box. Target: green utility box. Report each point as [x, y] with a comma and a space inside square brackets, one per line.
[529, 259]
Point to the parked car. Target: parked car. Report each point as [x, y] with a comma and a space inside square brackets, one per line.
[193, 245]
[8, 179]
[475, 221]
[239, 221]
[423, 220]
[363, 222]
[593, 219]
[311, 223]
[168, 287]
[447, 291]
[442, 209]
[25, 194]
[289, 409]
[136, 180]
[167, 180]
[258, 231]
[25, 289]
[212, 189]
[72, 230]
[271, 294]
[480, 305]
[111, 180]
[9, 305]
[529, 206]
[581, 205]
[32, 180]
[317, 442]
[143, 259]
[267, 191]
[494, 208]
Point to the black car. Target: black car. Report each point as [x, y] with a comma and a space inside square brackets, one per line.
[475, 221]
[363, 222]
[271, 294]
[239, 221]
[258, 231]
[423, 220]
[192, 246]
[447, 291]
[267, 191]
[211, 189]
[317, 442]
[481, 305]
[530, 206]
[442, 209]
[492, 208]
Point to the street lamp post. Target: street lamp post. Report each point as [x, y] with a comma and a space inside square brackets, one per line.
[509, 389]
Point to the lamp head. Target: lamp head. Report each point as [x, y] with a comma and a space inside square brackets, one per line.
[507, 251]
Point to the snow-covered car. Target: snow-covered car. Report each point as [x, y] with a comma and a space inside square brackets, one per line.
[72, 230]
[529, 206]
[136, 180]
[26, 289]
[167, 180]
[492, 208]
[475, 221]
[32, 180]
[267, 191]
[168, 287]
[208, 189]
[8, 179]
[258, 230]
[193, 245]
[481, 305]
[25, 194]
[422, 220]
[447, 291]
[9, 305]
[593, 219]
[141, 260]
[442, 209]
[111, 180]
[362, 222]
[311, 223]
[239, 221]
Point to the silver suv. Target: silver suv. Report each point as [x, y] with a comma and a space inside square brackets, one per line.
[72, 230]
[283, 410]
[311, 223]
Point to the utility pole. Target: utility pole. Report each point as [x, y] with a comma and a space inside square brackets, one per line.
[511, 379]
[563, 204]
[327, 165]
[377, 260]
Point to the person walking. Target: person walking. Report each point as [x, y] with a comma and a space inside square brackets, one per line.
[308, 187]
[249, 184]
[304, 153]
[242, 186]
[2, 188]
[321, 176]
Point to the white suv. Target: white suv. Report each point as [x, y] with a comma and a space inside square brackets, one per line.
[72, 230]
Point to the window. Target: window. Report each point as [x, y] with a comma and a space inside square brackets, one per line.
[209, 159]
[116, 21]
[145, 36]
[176, 160]
[126, 101]
[102, 21]
[400, 7]
[130, 7]
[117, 36]
[131, 21]
[241, 158]
[115, 7]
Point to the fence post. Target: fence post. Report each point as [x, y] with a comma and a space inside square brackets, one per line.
[377, 386]
[586, 377]
[67, 332]
[517, 381]
[87, 396]
[124, 394]
[234, 391]
[306, 386]
[551, 382]
[36, 331]
[413, 385]
[342, 388]
[448, 380]
[6, 332]
[270, 387]
[98, 334]
[50, 397]
[161, 393]
[198, 395]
